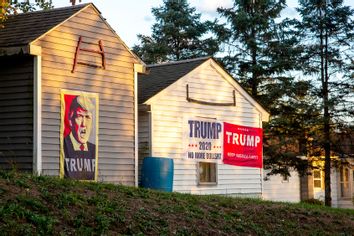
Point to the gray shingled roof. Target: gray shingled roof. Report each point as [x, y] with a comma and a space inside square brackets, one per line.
[163, 75]
[23, 28]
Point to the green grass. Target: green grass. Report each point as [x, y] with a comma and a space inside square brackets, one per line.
[31, 205]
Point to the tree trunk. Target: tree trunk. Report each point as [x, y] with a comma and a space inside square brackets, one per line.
[253, 47]
[326, 126]
[326, 115]
[254, 84]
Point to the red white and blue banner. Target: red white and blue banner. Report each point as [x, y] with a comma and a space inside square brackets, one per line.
[242, 145]
[203, 139]
[210, 140]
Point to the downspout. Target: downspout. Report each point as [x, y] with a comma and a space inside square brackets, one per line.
[138, 68]
[36, 51]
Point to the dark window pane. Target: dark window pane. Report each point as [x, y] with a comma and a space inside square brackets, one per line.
[207, 172]
[317, 183]
[317, 174]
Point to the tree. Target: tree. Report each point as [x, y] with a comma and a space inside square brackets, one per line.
[290, 132]
[258, 49]
[262, 52]
[326, 29]
[27, 6]
[8, 7]
[5, 9]
[177, 34]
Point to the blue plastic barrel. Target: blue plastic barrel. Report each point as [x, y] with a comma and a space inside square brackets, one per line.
[157, 173]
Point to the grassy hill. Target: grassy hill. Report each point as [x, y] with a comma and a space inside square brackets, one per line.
[49, 206]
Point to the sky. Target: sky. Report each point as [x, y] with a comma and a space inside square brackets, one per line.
[131, 17]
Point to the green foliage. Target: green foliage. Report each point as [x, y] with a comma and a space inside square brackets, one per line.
[52, 206]
[326, 31]
[262, 51]
[291, 131]
[258, 48]
[177, 34]
[5, 9]
[314, 202]
[38, 223]
[29, 6]
[8, 7]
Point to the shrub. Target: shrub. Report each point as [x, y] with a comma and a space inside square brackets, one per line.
[313, 201]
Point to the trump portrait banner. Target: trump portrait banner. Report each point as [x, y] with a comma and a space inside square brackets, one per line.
[242, 145]
[79, 135]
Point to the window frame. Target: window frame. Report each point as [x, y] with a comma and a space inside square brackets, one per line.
[200, 183]
[318, 179]
[344, 181]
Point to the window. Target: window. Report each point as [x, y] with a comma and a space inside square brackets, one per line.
[344, 182]
[317, 180]
[207, 173]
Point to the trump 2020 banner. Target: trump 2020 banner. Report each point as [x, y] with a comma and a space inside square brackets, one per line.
[202, 139]
[242, 145]
[79, 135]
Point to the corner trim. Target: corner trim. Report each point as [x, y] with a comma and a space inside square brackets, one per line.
[137, 69]
[35, 50]
[37, 115]
[140, 68]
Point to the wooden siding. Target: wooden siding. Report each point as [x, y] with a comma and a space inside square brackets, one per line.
[309, 192]
[335, 187]
[169, 107]
[144, 138]
[115, 86]
[345, 202]
[306, 185]
[16, 112]
[276, 189]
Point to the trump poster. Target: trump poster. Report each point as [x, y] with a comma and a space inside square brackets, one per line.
[79, 135]
[242, 145]
[202, 139]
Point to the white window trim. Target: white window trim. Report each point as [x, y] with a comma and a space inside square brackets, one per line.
[322, 187]
[37, 109]
[208, 183]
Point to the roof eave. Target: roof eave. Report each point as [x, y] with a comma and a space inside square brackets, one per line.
[61, 23]
[138, 60]
[265, 114]
[14, 50]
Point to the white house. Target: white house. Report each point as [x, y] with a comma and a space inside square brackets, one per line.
[342, 184]
[312, 186]
[175, 94]
[281, 188]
